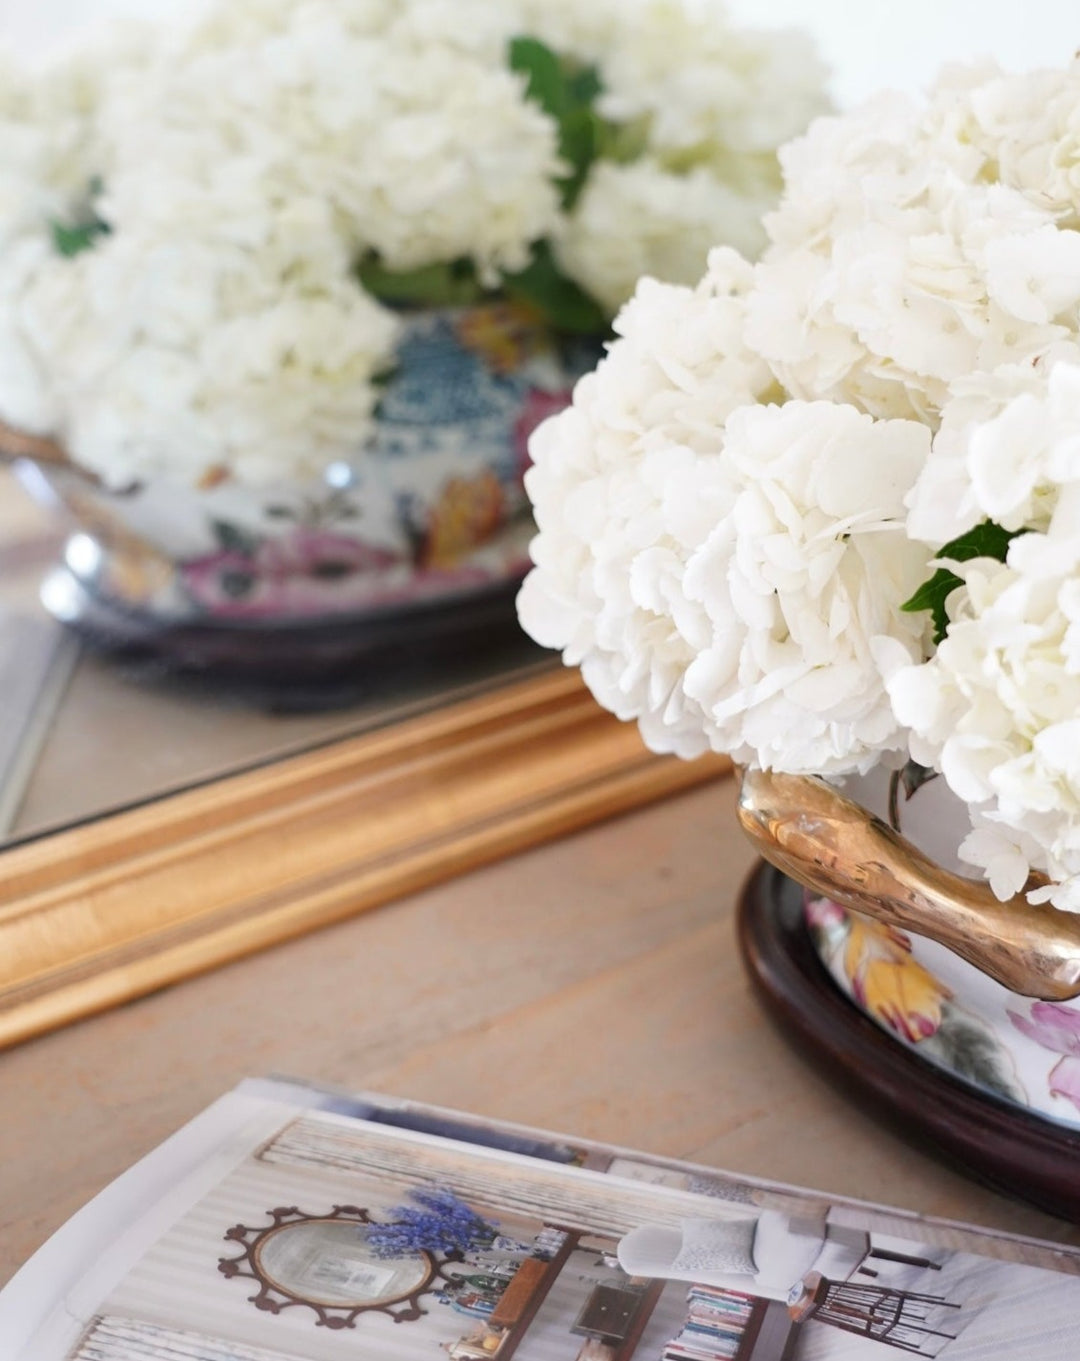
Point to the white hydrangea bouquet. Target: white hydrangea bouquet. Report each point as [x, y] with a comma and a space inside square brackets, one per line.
[207, 236]
[822, 512]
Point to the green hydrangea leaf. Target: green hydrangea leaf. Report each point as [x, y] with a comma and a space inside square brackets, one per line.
[449, 284]
[578, 147]
[583, 84]
[986, 540]
[932, 596]
[546, 82]
[566, 91]
[83, 226]
[561, 303]
[73, 240]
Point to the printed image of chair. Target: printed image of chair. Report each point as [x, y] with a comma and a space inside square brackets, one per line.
[767, 1255]
[901, 1319]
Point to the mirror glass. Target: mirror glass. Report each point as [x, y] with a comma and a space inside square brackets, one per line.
[81, 734]
[325, 1261]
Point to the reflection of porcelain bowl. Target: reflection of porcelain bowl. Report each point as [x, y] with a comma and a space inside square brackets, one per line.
[933, 1002]
[433, 507]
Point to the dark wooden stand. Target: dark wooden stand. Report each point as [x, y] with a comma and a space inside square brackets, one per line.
[770, 1335]
[990, 1140]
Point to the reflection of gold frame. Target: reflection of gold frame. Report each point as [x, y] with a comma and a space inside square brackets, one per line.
[105, 912]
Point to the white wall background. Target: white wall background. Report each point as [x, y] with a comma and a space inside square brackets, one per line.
[40, 26]
[868, 43]
[901, 43]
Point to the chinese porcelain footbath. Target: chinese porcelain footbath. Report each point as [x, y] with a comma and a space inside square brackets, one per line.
[950, 1013]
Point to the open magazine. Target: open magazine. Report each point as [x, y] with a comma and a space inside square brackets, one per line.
[291, 1223]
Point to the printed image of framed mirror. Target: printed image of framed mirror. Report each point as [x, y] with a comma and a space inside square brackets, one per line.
[329, 1264]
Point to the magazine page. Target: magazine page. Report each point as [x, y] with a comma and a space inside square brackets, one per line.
[289, 1223]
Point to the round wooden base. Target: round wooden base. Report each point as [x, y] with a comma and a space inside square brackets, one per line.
[1007, 1148]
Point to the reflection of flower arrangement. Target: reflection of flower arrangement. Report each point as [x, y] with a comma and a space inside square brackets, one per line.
[204, 232]
[437, 1221]
[821, 511]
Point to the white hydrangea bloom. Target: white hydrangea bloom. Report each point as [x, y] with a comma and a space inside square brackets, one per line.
[995, 710]
[1008, 439]
[474, 26]
[187, 359]
[712, 103]
[843, 165]
[904, 259]
[468, 171]
[29, 192]
[425, 153]
[906, 303]
[241, 22]
[28, 397]
[584, 32]
[707, 86]
[1027, 128]
[801, 582]
[640, 219]
[721, 571]
[622, 494]
[274, 145]
[922, 282]
[45, 165]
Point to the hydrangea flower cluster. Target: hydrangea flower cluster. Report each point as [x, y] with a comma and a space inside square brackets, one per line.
[823, 511]
[204, 232]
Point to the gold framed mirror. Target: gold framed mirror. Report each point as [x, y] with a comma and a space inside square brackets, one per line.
[232, 836]
[142, 857]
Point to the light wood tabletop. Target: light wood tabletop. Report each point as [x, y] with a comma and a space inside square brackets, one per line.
[591, 987]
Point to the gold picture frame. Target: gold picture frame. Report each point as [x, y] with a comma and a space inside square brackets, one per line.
[110, 910]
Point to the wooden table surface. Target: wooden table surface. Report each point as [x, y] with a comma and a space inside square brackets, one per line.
[591, 987]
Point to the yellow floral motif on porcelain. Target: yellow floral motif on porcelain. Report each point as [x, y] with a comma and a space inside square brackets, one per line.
[505, 335]
[468, 513]
[889, 982]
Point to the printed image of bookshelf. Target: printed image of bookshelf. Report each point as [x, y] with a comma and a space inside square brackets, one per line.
[725, 1325]
[715, 1326]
